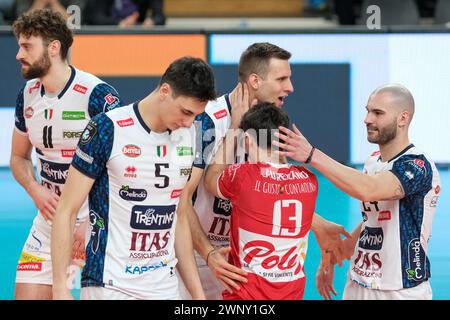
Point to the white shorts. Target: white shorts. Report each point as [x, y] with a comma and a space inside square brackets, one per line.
[35, 263]
[354, 291]
[211, 286]
[102, 293]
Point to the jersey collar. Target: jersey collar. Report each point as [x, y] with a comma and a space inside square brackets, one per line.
[141, 121]
[399, 154]
[66, 87]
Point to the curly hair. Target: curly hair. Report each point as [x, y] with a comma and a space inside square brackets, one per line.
[47, 24]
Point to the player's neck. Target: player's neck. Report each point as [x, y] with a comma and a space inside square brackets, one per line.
[267, 157]
[389, 150]
[149, 110]
[56, 78]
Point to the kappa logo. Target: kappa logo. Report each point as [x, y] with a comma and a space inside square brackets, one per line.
[79, 88]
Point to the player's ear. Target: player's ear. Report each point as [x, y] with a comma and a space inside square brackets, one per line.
[164, 91]
[404, 118]
[253, 81]
[54, 48]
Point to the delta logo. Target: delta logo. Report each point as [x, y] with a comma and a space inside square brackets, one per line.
[79, 88]
[126, 122]
[131, 150]
[220, 114]
[29, 112]
[130, 172]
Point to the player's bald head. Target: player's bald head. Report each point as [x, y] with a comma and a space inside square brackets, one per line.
[399, 97]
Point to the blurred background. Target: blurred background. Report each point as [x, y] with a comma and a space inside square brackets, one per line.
[341, 51]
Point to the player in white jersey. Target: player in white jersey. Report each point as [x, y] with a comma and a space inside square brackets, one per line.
[52, 111]
[265, 76]
[398, 189]
[134, 162]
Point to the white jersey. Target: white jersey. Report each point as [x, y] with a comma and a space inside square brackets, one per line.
[55, 124]
[213, 212]
[132, 205]
[391, 253]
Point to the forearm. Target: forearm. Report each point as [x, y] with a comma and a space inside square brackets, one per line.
[199, 238]
[349, 180]
[186, 262]
[61, 247]
[225, 155]
[23, 172]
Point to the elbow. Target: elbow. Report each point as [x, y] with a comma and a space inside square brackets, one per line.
[366, 194]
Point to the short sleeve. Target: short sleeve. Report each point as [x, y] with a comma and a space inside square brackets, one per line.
[94, 147]
[205, 140]
[228, 184]
[19, 116]
[102, 99]
[415, 174]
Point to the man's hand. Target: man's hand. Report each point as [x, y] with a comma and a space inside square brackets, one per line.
[325, 276]
[45, 200]
[79, 238]
[328, 236]
[294, 144]
[240, 103]
[225, 272]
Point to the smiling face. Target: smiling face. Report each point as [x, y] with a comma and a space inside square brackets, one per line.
[33, 56]
[381, 119]
[276, 85]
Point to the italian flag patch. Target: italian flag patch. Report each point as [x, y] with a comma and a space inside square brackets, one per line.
[161, 151]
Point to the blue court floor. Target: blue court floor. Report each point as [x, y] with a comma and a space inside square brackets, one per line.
[17, 212]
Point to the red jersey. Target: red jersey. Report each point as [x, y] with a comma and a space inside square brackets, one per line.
[273, 208]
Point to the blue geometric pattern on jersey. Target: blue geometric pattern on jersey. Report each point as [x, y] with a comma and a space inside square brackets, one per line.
[416, 175]
[414, 172]
[98, 102]
[20, 120]
[95, 146]
[208, 137]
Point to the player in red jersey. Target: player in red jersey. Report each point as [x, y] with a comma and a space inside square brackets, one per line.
[273, 207]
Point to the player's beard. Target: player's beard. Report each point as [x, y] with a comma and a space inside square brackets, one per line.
[38, 69]
[385, 134]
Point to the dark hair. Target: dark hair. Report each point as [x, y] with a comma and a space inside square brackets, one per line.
[256, 59]
[47, 24]
[191, 77]
[262, 120]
